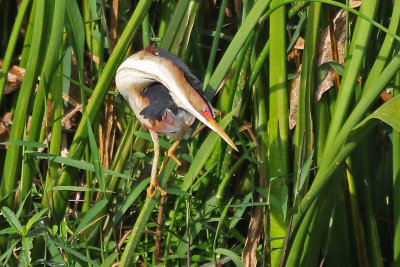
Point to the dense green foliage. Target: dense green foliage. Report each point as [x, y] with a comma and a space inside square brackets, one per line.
[316, 180]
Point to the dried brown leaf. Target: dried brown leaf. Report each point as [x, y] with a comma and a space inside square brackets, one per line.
[5, 128]
[355, 3]
[324, 55]
[325, 48]
[295, 53]
[14, 79]
[294, 100]
[299, 45]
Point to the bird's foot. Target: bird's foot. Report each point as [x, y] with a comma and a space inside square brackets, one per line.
[153, 188]
[170, 154]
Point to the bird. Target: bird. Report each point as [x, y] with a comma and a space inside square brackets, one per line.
[166, 98]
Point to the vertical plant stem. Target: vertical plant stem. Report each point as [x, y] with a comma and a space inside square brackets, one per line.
[278, 132]
[396, 184]
[49, 67]
[356, 218]
[11, 46]
[214, 47]
[13, 155]
[361, 38]
[236, 45]
[304, 134]
[55, 143]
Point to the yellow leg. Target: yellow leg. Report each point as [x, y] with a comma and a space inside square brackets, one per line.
[172, 149]
[151, 191]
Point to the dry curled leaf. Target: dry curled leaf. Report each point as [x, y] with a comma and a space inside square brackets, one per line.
[294, 99]
[5, 128]
[14, 79]
[324, 55]
[355, 3]
[295, 53]
[325, 48]
[325, 52]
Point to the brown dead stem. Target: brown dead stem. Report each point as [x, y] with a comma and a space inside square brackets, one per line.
[158, 230]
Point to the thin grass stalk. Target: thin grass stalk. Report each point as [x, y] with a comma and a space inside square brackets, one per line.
[90, 155]
[260, 117]
[121, 157]
[299, 236]
[168, 7]
[13, 155]
[336, 249]
[235, 46]
[50, 65]
[214, 47]
[11, 46]
[28, 37]
[236, 94]
[55, 142]
[180, 48]
[195, 47]
[319, 226]
[304, 137]
[386, 49]
[259, 64]
[224, 182]
[365, 199]
[321, 122]
[396, 183]
[174, 24]
[358, 227]
[360, 40]
[90, 27]
[78, 144]
[278, 133]
[146, 33]
[95, 49]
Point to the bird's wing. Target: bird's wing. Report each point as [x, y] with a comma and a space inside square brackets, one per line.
[159, 101]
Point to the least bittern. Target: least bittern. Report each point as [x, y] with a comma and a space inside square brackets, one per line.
[166, 98]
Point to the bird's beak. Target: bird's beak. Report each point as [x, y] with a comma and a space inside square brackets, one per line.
[211, 123]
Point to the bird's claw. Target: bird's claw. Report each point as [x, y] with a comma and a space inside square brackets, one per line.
[153, 188]
[170, 154]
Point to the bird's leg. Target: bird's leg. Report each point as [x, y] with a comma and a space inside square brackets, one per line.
[151, 191]
[172, 149]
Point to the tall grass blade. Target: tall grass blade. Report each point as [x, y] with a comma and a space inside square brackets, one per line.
[13, 155]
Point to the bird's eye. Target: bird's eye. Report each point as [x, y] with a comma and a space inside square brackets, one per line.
[204, 109]
[144, 90]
